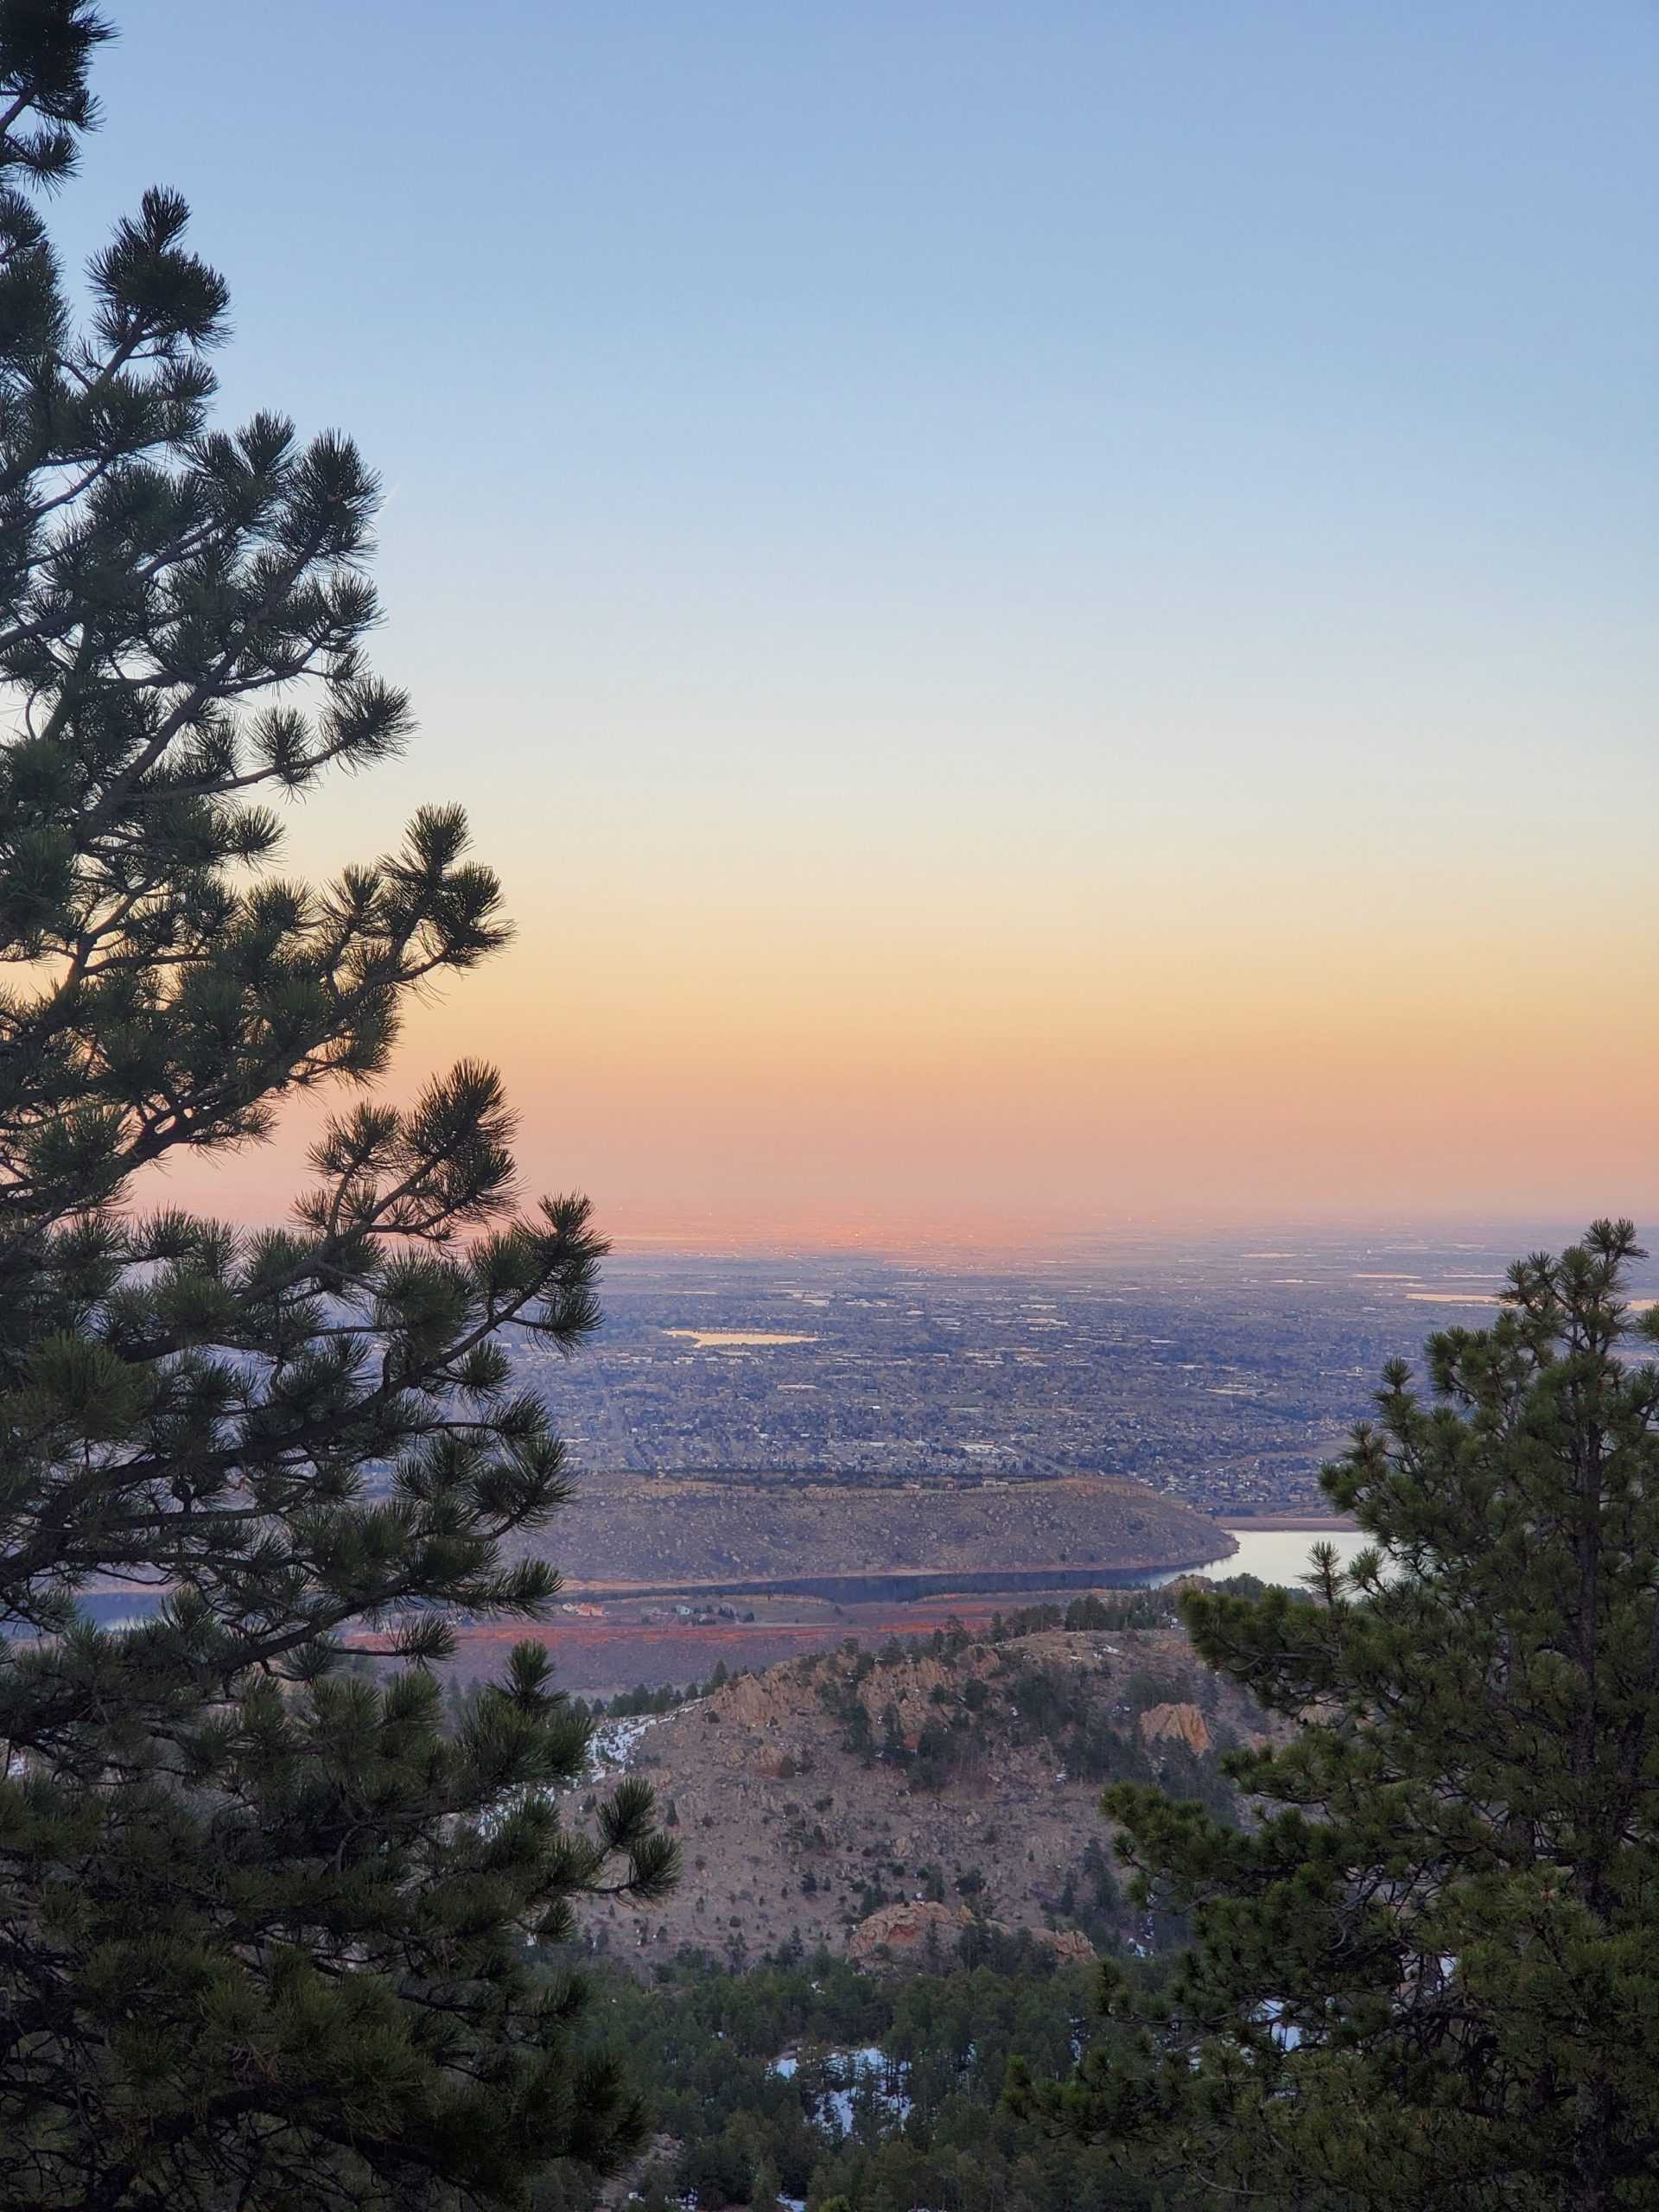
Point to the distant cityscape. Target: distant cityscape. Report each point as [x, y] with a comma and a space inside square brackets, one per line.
[1222, 1377]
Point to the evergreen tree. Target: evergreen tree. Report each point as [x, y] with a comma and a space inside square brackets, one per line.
[1430, 1975]
[268, 1932]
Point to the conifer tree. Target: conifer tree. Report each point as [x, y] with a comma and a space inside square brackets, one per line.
[268, 1933]
[1429, 1974]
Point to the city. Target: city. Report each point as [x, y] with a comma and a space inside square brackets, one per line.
[1222, 1375]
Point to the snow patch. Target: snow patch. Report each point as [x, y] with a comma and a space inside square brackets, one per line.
[863, 2074]
[613, 1742]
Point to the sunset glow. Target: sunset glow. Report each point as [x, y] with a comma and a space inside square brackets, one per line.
[1059, 655]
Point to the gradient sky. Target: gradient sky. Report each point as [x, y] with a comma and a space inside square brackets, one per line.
[1046, 610]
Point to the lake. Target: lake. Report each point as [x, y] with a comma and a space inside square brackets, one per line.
[1281, 1555]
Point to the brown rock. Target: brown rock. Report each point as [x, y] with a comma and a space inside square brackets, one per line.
[1184, 1722]
[903, 1928]
[1068, 1944]
[899, 1931]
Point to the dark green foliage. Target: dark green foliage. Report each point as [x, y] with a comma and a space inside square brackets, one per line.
[1094, 1735]
[1122, 1610]
[1430, 1975]
[629, 1705]
[1119, 1610]
[264, 1928]
[922, 2093]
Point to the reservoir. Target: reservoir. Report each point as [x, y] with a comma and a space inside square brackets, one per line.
[1274, 1555]
[1281, 1555]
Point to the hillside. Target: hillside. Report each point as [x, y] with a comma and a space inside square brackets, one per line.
[664, 1532]
[957, 1779]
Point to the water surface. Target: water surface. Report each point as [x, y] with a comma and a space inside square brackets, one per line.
[1282, 1554]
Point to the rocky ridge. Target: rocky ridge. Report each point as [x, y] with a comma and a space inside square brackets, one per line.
[960, 1775]
[658, 1532]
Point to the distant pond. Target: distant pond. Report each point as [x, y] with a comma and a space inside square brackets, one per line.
[1282, 1554]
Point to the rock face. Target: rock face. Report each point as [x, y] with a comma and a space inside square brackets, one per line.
[1162, 1722]
[898, 1934]
[1069, 1943]
[903, 1929]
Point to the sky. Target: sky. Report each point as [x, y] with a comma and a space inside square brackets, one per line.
[1046, 610]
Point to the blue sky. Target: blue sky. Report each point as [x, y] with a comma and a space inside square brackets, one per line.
[876, 488]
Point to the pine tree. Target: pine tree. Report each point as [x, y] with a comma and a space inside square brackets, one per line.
[1429, 1974]
[269, 1934]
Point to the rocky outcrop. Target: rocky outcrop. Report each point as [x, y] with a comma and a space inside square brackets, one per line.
[1070, 1944]
[898, 1934]
[902, 1930]
[1181, 1723]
